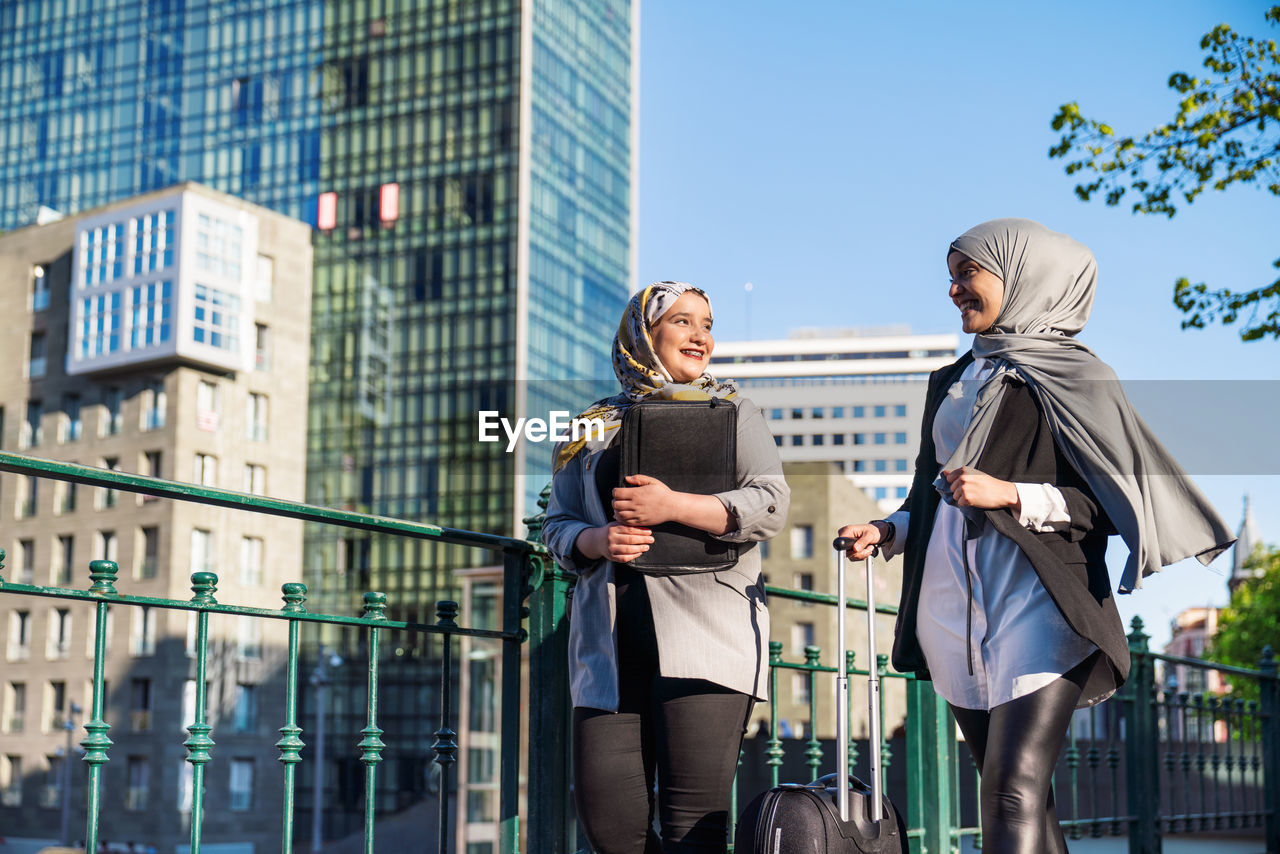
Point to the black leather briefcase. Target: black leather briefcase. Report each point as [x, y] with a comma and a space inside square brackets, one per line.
[691, 446]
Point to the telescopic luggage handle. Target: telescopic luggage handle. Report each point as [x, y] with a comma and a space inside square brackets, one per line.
[842, 545]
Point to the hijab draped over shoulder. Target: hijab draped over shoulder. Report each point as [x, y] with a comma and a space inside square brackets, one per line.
[640, 371]
[1049, 282]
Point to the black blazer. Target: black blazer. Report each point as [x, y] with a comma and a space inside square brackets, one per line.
[1071, 564]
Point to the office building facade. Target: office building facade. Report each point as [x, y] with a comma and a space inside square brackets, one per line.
[468, 169]
[158, 335]
[853, 397]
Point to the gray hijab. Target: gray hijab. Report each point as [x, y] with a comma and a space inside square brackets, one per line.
[1049, 282]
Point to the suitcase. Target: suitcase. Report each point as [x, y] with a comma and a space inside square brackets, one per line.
[825, 817]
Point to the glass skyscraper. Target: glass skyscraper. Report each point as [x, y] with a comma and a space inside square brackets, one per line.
[469, 170]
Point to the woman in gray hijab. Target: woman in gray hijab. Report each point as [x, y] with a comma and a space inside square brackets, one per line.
[1030, 457]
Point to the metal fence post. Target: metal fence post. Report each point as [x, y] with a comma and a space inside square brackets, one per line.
[550, 711]
[1269, 688]
[1142, 743]
[931, 750]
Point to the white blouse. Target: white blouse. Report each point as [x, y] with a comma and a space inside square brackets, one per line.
[1013, 640]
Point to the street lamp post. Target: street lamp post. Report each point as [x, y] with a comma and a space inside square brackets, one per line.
[320, 679]
[69, 724]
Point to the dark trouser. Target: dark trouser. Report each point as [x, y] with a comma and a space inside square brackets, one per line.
[1016, 746]
[687, 730]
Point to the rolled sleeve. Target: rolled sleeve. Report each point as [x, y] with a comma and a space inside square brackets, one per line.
[760, 504]
[1043, 507]
[901, 520]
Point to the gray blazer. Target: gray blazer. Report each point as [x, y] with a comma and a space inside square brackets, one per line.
[712, 625]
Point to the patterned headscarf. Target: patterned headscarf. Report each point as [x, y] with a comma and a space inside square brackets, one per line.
[1049, 281]
[640, 371]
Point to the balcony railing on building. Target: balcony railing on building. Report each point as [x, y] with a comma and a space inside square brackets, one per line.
[1153, 761]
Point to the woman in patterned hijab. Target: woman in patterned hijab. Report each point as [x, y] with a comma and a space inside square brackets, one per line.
[641, 371]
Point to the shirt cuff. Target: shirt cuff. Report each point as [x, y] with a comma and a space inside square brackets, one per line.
[901, 520]
[1043, 507]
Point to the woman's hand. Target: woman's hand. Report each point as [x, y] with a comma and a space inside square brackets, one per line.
[866, 537]
[648, 501]
[972, 488]
[615, 541]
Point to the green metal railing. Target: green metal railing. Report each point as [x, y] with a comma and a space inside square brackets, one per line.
[1154, 759]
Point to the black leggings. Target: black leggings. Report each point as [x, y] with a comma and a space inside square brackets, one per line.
[1016, 746]
[687, 730]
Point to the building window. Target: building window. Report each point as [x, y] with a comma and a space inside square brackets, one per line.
[15, 713]
[28, 495]
[801, 541]
[155, 404]
[154, 240]
[39, 288]
[256, 418]
[143, 639]
[56, 705]
[73, 424]
[208, 399]
[26, 562]
[880, 493]
[100, 321]
[59, 642]
[837, 438]
[859, 412]
[37, 356]
[241, 784]
[51, 786]
[881, 438]
[107, 545]
[32, 430]
[66, 502]
[245, 717]
[255, 479]
[797, 441]
[775, 414]
[206, 472]
[900, 410]
[148, 562]
[249, 639]
[817, 438]
[19, 646]
[216, 318]
[11, 781]
[804, 581]
[859, 438]
[135, 798]
[819, 412]
[113, 416]
[899, 438]
[140, 705]
[797, 414]
[800, 695]
[110, 495]
[201, 550]
[265, 279]
[151, 318]
[261, 347]
[879, 411]
[837, 412]
[899, 465]
[900, 492]
[251, 561]
[64, 566]
[103, 250]
[881, 465]
[777, 440]
[802, 635]
[152, 466]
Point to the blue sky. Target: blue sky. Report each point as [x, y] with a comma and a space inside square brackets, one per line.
[828, 152]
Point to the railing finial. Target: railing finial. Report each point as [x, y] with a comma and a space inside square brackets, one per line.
[295, 594]
[103, 573]
[203, 584]
[375, 606]
[535, 522]
[446, 613]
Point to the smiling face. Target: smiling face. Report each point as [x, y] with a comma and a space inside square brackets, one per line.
[978, 293]
[682, 337]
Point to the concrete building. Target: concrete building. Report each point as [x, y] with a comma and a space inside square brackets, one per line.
[167, 335]
[850, 396]
[823, 498]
